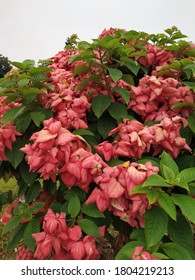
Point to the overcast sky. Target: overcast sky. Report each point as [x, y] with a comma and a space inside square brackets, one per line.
[37, 29]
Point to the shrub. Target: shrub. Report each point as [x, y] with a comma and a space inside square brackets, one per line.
[100, 139]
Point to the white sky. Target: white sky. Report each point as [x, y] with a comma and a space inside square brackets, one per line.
[37, 29]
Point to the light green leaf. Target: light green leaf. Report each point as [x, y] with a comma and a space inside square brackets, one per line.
[152, 195]
[167, 204]
[23, 82]
[12, 224]
[187, 175]
[155, 180]
[168, 173]
[115, 74]
[156, 221]
[83, 132]
[100, 104]
[168, 161]
[186, 204]
[12, 114]
[176, 251]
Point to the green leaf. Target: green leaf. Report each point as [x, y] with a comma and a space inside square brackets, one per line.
[126, 251]
[187, 175]
[105, 124]
[12, 224]
[134, 67]
[128, 79]
[37, 117]
[74, 206]
[117, 110]
[124, 93]
[15, 237]
[138, 234]
[181, 233]
[167, 160]
[92, 211]
[41, 69]
[167, 204]
[189, 52]
[15, 156]
[31, 91]
[176, 251]
[89, 227]
[12, 114]
[156, 221]
[33, 192]
[168, 173]
[155, 180]
[37, 206]
[191, 122]
[23, 82]
[185, 161]
[80, 69]
[191, 85]
[49, 186]
[186, 204]
[83, 132]
[152, 195]
[32, 227]
[155, 161]
[184, 104]
[100, 104]
[27, 176]
[23, 122]
[115, 74]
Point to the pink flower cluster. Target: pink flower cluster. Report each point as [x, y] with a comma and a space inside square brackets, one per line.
[134, 139]
[139, 254]
[24, 253]
[8, 133]
[154, 97]
[57, 151]
[113, 191]
[57, 241]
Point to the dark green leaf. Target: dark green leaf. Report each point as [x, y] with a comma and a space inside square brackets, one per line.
[27, 176]
[180, 232]
[167, 204]
[74, 206]
[23, 122]
[105, 124]
[15, 156]
[37, 117]
[191, 122]
[184, 104]
[186, 204]
[92, 211]
[32, 227]
[12, 224]
[37, 206]
[156, 221]
[33, 192]
[89, 227]
[100, 104]
[83, 132]
[117, 110]
[15, 237]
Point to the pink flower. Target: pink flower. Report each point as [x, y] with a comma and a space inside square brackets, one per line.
[139, 254]
[54, 223]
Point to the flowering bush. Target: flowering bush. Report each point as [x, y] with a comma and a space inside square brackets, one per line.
[100, 139]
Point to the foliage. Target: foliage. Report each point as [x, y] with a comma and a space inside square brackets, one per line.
[5, 65]
[101, 142]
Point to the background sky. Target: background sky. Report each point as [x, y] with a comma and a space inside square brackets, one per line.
[38, 29]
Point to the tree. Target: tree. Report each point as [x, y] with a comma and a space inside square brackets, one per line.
[4, 65]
